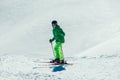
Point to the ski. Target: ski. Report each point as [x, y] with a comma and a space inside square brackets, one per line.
[60, 64]
[51, 65]
[54, 64]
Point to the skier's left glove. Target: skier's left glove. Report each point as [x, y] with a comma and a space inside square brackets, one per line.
[50, 40]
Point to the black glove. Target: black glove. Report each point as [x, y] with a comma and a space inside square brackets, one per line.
[50, 40]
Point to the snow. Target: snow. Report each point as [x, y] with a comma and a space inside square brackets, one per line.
[15, 68]
[92, 39]
[108, 48]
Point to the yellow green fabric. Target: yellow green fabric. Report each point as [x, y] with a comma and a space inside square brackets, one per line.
[58, 51]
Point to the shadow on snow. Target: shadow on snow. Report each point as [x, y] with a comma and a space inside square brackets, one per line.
[58, 68]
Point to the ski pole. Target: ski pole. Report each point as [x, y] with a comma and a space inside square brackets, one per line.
[52, 49]
[62, 52]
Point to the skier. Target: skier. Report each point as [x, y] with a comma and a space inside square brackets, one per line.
[58, 34]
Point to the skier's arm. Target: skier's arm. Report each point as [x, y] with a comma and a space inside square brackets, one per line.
[53, 39]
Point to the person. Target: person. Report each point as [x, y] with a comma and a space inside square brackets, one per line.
[58, 37]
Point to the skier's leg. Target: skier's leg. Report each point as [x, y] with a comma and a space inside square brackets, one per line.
[56, 49]
[61, 52]
[56, 54]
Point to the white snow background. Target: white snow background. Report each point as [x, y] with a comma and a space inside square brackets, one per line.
[92, 44]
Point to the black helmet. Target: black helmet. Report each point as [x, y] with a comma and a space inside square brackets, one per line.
[54, 22]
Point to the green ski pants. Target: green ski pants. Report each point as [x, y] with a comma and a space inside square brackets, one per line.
[58, 51]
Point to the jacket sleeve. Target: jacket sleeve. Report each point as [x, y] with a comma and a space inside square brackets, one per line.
[53, 39]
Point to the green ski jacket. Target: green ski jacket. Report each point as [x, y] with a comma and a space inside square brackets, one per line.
[58, 34]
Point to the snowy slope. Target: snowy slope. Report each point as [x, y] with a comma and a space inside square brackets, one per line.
[92, 39]
[109, 48]
[15, 68]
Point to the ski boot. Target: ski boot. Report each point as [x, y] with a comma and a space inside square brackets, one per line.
[55, 61]
[62, 62]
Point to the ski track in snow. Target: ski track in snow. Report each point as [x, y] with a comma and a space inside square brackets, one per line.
[83, 68]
